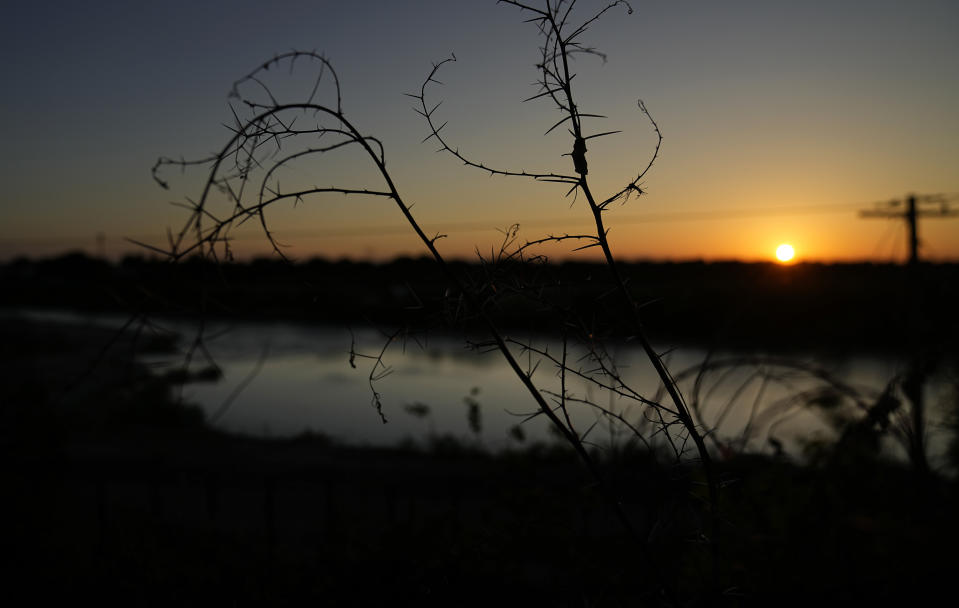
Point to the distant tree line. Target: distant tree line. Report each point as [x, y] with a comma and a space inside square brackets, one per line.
[842, 307]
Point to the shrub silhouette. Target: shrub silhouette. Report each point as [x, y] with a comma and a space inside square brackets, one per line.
[274, 129]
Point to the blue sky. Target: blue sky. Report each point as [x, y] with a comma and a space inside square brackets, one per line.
[815, 107]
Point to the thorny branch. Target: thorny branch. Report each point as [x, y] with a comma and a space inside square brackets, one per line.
[262, 135]
[561, 42]
[272, 135]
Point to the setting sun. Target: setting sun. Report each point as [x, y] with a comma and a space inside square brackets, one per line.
[785, 252]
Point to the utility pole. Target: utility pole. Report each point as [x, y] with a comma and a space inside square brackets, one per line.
[911, 210]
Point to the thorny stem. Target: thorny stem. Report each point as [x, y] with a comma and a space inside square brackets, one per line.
[259, 130]
[500, 342]
[556, 83]
[260, 126]
[640, 333]
[671, 388]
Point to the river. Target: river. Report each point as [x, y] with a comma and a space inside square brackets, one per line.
[282, 379]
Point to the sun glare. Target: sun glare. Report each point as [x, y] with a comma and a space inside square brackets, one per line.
[785, 252]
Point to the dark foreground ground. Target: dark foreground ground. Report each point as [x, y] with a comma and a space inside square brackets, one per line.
[180, 519]
[115, 493]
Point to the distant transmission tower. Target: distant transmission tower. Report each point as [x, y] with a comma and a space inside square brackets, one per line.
[910, 210]
[914, 207]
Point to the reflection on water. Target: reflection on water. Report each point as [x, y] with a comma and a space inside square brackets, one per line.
[299, 378]
[283, 379]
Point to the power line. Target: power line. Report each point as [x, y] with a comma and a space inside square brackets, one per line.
[631, 219]
[488, 225]
[681, 216]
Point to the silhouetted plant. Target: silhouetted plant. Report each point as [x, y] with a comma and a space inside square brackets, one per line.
[473, 414]
[772, 390]
[561, 35]
[275, 129]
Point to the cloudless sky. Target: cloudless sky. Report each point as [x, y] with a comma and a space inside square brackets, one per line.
[781, 120]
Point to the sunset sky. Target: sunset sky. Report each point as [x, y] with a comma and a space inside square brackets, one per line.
[781, 120]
